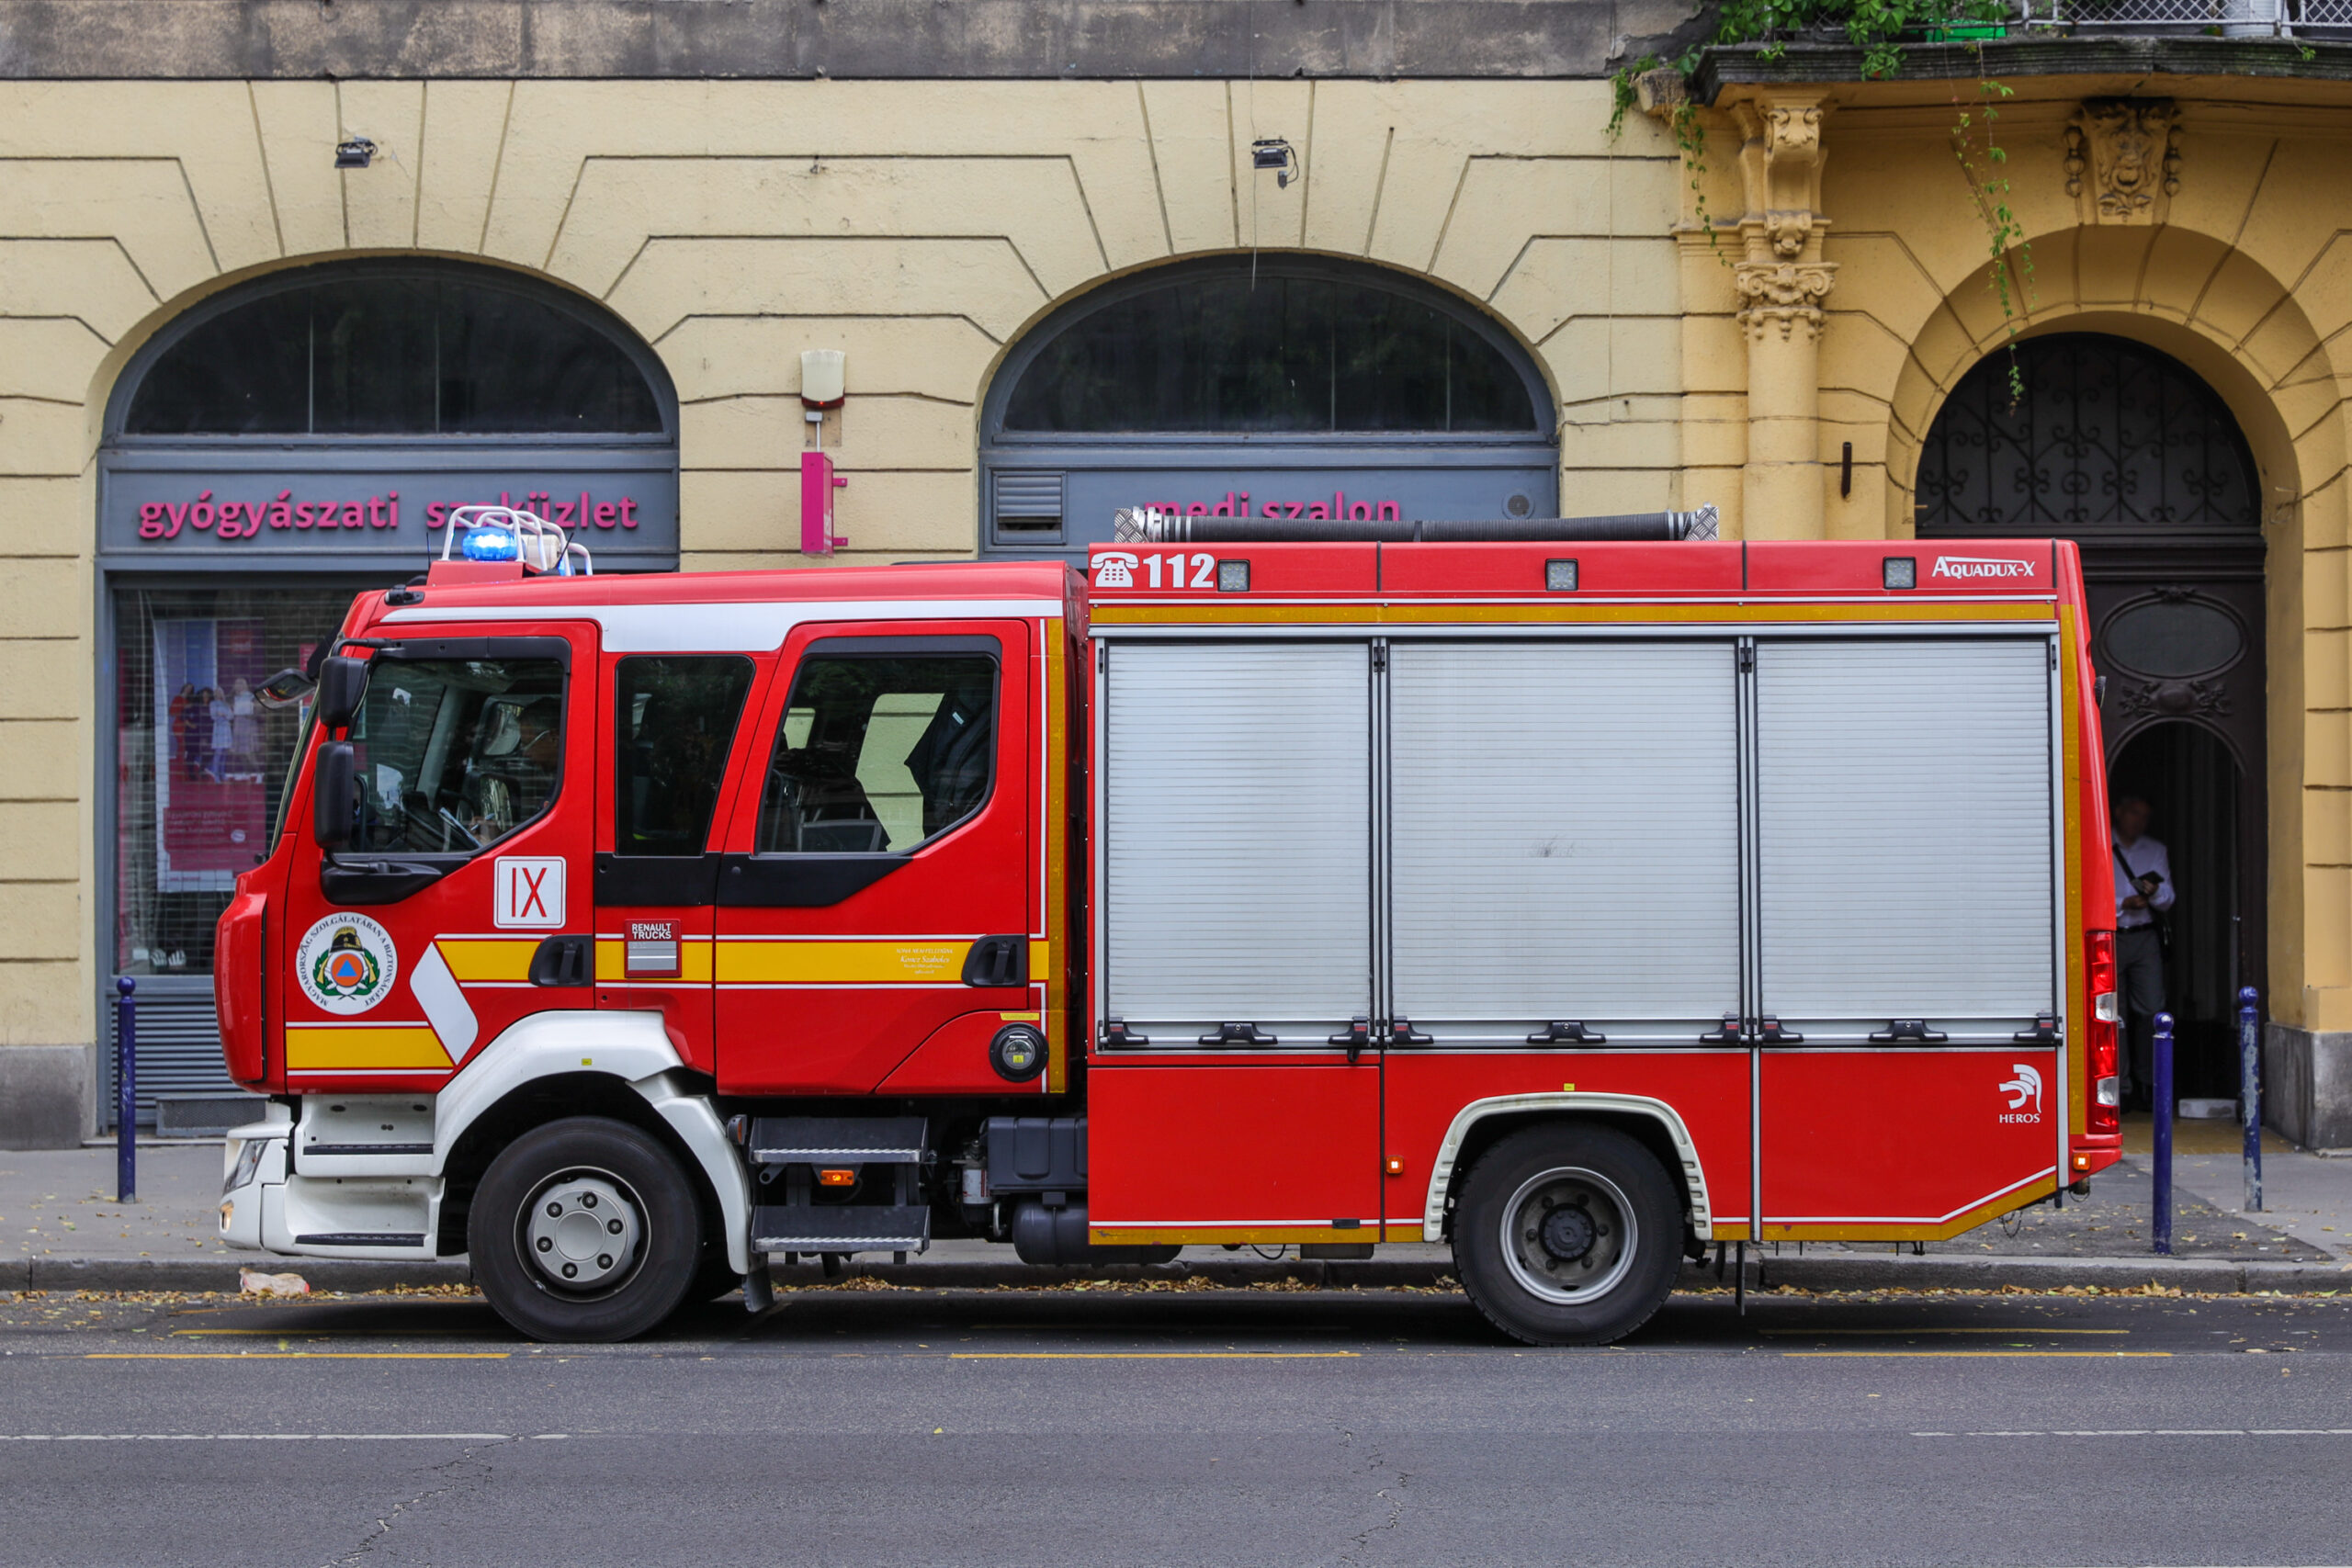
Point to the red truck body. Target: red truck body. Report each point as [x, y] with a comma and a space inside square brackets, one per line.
[1318, 871]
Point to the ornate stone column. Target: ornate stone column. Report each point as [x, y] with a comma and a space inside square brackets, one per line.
[1783, 282]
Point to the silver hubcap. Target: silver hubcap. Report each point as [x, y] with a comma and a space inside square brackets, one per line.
[1568, 1234]
[581, 1231]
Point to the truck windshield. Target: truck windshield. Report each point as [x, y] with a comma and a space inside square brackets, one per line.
[456, 753]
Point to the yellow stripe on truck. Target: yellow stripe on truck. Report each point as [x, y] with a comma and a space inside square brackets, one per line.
[478, 959]
[312, 1048]
[883, 962]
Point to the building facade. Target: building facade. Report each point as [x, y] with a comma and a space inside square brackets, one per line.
[281, 283]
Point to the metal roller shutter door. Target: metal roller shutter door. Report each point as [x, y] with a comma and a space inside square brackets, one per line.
[1904, 796]
[1564, 835]
[1237, 817]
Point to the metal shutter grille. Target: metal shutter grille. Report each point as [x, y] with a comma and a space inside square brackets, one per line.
[1564, 831]
[1238, 833]
[1028, 497]
[179, 1053]
[1905, 797]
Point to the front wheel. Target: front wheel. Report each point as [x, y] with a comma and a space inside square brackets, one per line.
[584, 1229]
[1567, 1234]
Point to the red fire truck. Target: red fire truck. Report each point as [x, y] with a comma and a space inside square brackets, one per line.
[1581, 901]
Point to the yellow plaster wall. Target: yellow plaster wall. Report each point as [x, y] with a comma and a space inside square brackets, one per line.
[921, 227]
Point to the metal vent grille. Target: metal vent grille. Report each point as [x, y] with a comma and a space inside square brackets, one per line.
[1028, 507]
[179, 1053]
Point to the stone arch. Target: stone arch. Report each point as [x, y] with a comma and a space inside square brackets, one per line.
[2183, 293]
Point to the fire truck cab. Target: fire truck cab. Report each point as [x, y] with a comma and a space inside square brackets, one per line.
[1581, 903]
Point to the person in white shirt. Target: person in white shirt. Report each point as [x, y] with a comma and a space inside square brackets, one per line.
[2143, 889]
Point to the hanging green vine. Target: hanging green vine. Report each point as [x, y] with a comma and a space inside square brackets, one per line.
[1880, 28]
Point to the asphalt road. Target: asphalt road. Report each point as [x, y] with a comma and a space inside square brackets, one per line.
[1100, 1426]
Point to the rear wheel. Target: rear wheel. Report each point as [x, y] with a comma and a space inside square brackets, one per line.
[1567, 1234]
[584, 1229]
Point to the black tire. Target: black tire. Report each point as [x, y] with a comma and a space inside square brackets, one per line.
[554, 1200]
[1595, 1233]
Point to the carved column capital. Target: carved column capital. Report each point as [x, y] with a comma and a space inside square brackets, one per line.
[1784, 296]
[1781, 163]
[2123, 159]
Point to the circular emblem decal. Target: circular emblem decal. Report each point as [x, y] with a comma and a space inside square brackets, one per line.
[347, 964]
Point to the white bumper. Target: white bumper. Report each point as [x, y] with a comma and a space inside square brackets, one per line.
[266, 1208]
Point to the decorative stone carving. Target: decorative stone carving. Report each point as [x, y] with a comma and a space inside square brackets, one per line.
[2123, 159]
[1786, 294]
[2170, 699]
[1783, 168]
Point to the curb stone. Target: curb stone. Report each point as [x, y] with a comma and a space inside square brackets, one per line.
[1848, 1273]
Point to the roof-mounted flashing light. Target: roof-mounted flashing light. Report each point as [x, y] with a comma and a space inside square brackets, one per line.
[496, 533]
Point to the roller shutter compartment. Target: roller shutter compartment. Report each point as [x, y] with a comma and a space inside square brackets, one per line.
[1564, 835]
[1238, 828]
[1903, 809]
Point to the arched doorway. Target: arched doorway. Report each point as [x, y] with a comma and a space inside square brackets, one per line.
[2128, 452]
[1296, 386]
[268, 453]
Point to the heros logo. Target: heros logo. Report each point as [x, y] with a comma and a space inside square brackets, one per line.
[2022, 1089]
[1958, 568]
[347, 964]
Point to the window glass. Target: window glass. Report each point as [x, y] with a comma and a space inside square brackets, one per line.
[674, 722]
[393, 355]
[200, 766]
[1276, 353]
[455, 753]
[879, 751]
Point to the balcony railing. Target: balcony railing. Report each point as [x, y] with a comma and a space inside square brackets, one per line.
[2224, 18]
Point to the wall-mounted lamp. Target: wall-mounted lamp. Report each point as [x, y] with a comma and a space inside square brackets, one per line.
[353, 152]
[821, 378]
[1273, 153]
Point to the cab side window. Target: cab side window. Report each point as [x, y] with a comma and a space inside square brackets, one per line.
[455, 754]
[884, 745]
[673, 726]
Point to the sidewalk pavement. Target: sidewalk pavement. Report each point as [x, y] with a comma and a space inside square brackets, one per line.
[61, 1229]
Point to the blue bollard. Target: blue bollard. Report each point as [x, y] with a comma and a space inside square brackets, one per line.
[2161, 1052]
[126, 1093]
[2250, 1092]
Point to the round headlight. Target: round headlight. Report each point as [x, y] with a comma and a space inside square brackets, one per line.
[1018, 1052]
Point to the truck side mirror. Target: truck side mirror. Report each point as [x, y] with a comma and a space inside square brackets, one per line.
[341, 681]
[335, 793]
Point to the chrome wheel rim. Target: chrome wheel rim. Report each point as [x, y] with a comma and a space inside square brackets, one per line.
[581, 1234]
[1568, 1235]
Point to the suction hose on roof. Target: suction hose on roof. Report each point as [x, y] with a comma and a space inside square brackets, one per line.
[1137, 525]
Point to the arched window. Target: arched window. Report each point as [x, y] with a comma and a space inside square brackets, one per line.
[2109, 435]
[1241, 383]
[1289, 352]
[401, 349]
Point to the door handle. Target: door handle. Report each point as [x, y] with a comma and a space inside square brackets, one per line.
[997, 961]
[563, 961]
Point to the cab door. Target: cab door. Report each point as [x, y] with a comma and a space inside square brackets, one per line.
[878, 895]
[446, 919]
[670, 737]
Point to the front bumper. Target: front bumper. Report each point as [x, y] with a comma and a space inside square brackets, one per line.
[265, 1207]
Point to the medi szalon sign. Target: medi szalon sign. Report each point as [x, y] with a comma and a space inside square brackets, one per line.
[229, 509]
